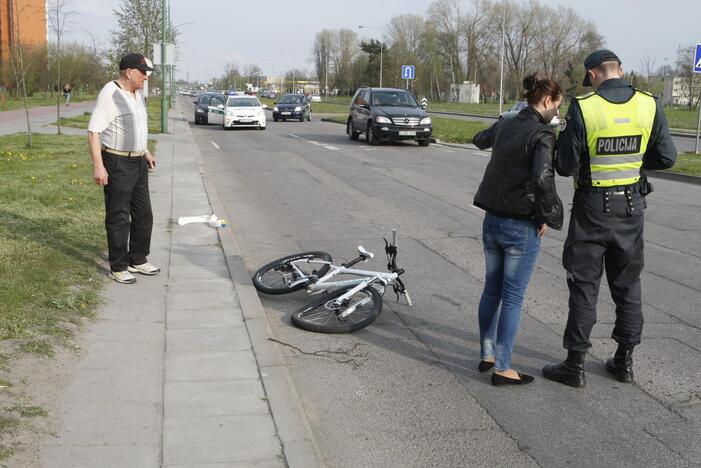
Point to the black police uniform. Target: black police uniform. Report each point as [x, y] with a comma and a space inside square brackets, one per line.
[606, 227]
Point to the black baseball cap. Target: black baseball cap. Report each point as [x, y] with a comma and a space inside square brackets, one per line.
[137, 61]
[595, 59]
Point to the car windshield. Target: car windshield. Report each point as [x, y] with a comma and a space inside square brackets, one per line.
[242, 102]
[393, 98]
[519, 106]
[291, 100]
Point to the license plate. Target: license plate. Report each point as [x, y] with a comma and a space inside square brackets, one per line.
[407, 133]
[245, 120]
[285, 113]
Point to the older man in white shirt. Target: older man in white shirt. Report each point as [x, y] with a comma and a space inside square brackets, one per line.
[117, 138]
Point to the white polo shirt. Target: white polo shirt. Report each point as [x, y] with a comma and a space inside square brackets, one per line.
[120, 118]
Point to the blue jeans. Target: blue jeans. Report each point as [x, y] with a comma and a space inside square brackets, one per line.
[511, 247]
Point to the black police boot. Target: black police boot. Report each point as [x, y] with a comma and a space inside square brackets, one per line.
[569, 372]
[621, 365]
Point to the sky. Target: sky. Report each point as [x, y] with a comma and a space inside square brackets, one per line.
[278, 35]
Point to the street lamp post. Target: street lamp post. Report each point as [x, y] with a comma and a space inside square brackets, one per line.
[374, 27]
[164, 110]
[501, 73]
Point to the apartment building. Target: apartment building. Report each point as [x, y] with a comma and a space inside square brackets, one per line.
[26, 17]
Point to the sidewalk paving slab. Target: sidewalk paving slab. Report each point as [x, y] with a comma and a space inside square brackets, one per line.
[169, 375]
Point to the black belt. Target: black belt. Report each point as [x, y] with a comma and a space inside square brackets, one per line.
[633, 188]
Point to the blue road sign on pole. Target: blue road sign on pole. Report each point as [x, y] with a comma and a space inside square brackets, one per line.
[407, 72]
[697, 59]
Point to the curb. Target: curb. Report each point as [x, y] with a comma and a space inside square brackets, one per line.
[675, 176]
[299, 447]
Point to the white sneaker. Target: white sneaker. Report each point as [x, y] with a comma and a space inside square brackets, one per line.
[144, 269]
[123, 277]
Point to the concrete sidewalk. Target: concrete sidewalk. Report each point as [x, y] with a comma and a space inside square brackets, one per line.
[42, 118]
[177, 369]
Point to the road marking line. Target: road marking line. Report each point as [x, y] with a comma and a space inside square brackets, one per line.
[480, 153]
[215, 145]
[295, 136]
[329, 147]
[448, 151]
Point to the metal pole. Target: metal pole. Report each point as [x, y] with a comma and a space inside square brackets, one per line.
[698, 128]
[380, 62]
[164, 110]
[501, 72]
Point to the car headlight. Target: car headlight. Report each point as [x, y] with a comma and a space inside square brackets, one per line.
[425, 121]
[275, 109]
[384, 120]
[298, 109]
[200, 110]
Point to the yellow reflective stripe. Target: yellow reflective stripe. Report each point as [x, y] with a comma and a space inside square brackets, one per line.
[617, 167]
[616, 159]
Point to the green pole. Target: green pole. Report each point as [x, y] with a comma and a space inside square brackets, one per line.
[164, 103]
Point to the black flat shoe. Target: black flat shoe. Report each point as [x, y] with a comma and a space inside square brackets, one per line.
[498, 380]
[485, 366]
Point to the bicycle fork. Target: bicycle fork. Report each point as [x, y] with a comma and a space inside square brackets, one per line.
[338, 302]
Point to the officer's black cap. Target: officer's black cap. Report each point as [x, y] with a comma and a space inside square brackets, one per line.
[137, 61]
[597, 58]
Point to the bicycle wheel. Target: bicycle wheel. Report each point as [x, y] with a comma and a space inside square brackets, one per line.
[323, 317]
[276, 276]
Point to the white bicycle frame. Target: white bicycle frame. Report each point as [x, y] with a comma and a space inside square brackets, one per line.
[324, 284]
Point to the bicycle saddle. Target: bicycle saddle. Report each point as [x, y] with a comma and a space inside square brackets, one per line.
[365, 253]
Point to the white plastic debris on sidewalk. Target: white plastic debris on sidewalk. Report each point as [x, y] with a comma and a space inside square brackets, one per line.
[212, 220]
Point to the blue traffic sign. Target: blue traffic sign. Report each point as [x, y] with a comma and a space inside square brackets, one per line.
[407, 72]
[697, 59]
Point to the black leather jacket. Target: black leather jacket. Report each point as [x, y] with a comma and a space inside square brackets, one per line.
[519, 181]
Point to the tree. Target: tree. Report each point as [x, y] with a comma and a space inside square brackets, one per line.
[322, 52]
[447, 21]
[231, 75]
[17, 50]
[59, 14]
[690, 81]
[139, 26]
[253, 71]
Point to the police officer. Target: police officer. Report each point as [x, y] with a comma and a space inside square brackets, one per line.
[611, 136]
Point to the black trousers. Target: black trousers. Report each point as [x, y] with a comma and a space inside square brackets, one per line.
[128, 215]
[605, 233]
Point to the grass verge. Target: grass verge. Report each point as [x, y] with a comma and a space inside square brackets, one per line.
[447, 130]
[153, 108]
[51, 239]
[51, 242]
[688, 163]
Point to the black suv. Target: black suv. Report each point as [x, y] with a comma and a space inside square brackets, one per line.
[387, 114]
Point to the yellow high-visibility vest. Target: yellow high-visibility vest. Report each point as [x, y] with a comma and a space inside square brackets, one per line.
[617, 137]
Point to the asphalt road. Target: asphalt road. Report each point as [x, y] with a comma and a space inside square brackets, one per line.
[405, 391]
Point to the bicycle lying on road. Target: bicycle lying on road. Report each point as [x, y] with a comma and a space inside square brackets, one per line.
[347, 305]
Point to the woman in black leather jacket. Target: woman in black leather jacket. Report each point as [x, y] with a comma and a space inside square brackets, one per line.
[519, 197]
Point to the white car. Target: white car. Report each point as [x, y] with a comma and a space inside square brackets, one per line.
[244, 111]
[315, 98]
